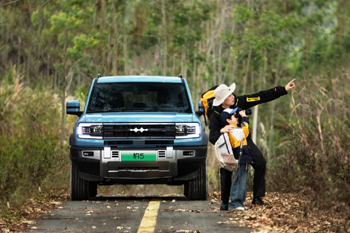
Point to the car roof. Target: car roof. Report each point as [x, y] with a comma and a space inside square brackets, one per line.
[139, 78]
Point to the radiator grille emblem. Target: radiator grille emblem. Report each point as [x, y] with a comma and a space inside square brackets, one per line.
[141, 130]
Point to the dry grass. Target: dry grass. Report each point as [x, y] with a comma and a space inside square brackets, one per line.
[314, 157]
[30, 157]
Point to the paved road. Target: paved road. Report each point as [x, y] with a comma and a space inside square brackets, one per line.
[137, 214]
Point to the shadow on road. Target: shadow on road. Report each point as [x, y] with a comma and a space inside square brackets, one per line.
[131, 197]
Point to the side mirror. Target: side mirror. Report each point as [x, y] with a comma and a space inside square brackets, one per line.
[200, 111]
[73, 108]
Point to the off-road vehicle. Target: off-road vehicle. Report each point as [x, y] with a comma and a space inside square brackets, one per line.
[137, 130]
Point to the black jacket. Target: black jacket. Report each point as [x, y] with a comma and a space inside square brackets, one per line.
[243, 102]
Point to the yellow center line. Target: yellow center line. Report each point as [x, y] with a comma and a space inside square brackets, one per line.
[149, 220]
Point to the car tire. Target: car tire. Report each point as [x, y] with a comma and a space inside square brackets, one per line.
[81, 189]
[196, 189]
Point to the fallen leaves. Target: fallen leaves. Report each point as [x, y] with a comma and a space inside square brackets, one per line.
[17, 221]
[119, 228]
[286, 213]
[188, 231]
[188, 210]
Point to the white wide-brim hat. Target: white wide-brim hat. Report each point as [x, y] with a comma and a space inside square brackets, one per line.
[222, 92]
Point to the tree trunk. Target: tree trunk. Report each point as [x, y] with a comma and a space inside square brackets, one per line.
[174, 64]
[273, 104]
[165, 41]
[110, 54]
[116, 41]
[103, 11]
[63, 91]
[125, 50]
[183, 62]
[245, 78]
[97, 9]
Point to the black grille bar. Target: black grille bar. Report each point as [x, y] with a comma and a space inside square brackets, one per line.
[138, 130]
[147, 142]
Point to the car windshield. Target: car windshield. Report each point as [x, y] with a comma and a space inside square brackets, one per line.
[136, 97]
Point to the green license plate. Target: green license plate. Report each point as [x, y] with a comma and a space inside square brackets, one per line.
[138, 156]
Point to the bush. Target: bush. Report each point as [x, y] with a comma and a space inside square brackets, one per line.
[27, 164]
[315, 157]
[30, 155]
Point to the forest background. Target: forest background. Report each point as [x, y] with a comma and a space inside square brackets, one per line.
[52, 49]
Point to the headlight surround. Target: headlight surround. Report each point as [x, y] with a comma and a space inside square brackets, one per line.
[90, 130]
[187, 130]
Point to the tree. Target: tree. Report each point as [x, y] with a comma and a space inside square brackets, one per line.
[67, 43]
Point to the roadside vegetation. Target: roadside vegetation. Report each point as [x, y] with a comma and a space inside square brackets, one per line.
[51, 50]
[313, 154]
[32, 164]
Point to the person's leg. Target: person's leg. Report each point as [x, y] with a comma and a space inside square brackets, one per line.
[239, 187]
[234, 191]
[244, 183]
[259, 166]
[225, 179]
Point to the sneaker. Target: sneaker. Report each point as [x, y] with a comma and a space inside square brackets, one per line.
[224, 206]
[240, 208]
[258, 201]
[246, 207]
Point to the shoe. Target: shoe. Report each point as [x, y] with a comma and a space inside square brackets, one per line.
[239, 208]
[246, 207]
[223, 206]
[259, 201]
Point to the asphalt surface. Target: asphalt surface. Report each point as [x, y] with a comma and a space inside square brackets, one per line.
[137, 214]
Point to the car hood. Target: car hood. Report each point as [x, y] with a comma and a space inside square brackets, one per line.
[138, 117]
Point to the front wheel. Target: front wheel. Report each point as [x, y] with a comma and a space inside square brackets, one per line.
[81, 189]
[196, 189]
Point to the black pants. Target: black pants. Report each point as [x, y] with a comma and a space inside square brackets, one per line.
[259, 166]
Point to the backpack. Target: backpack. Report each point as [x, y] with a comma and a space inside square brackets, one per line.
[206, 101]
[224, 153]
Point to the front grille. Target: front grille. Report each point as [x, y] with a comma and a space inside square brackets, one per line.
[115, 154]
[129, 130]
[161, 153]
[146, 142]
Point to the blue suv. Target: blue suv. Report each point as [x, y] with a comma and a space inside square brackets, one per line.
[137, 130]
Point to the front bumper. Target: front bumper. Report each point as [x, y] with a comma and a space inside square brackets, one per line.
[168, 165]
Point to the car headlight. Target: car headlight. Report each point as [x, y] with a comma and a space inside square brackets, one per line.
[187, 130]
[90, 130]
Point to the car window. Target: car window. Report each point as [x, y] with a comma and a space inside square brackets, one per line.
[135, 97]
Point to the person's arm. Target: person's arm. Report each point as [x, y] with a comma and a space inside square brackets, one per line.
[245, 127]
[214, 127]
[248, 101]
[245, 123]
